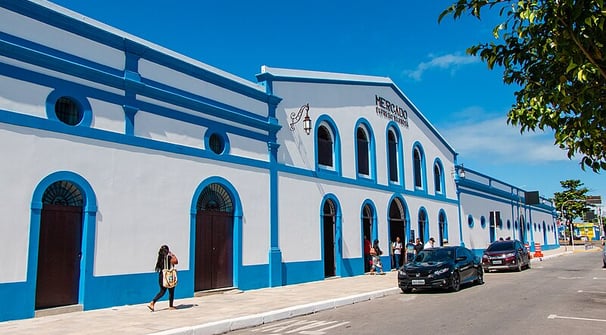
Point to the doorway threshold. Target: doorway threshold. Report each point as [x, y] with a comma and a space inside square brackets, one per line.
[58, 310]
[224, 290]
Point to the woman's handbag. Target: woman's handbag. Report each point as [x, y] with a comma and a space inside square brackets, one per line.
[169, 275]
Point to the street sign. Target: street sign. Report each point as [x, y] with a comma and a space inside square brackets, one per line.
[594, 199]
[531, 198]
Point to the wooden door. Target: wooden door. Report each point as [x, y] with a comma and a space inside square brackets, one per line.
[214, 250]
[59, 254]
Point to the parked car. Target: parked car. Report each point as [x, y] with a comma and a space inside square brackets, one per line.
[506, 255]
[444, 267]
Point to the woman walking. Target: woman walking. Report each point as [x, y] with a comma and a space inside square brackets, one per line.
[166, 260]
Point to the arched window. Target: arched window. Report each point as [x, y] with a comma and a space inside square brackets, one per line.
[392, 155]
[325, 147]
[418, 166]
[215, 198]
[442, 228]
[423, 225]
[63, 193]
[363, 151]
[438, 178]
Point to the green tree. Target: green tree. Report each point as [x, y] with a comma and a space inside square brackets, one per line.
[554, 51]
[571, 201]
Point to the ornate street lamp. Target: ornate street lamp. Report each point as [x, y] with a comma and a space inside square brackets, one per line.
[296, 117]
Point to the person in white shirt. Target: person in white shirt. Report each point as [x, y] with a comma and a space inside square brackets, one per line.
[396, 248]
[430, 244]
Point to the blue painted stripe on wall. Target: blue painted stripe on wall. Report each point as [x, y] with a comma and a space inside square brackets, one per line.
[97, 134]
[162, 93]
[302, 272]
[116, 290]
[126, 43]
[254, 277]
[18, 301]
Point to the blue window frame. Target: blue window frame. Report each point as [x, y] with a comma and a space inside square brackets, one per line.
[365, 150]
[419, 173]
[327, 146]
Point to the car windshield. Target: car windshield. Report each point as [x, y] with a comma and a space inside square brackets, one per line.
[435, 255]
[500, 246]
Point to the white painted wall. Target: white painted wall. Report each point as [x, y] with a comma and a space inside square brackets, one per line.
[37, 32]
[144, 198]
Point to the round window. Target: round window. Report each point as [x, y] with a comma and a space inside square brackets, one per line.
[216, 144]
[68, 111]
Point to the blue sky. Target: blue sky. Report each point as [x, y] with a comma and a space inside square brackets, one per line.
[402, 40]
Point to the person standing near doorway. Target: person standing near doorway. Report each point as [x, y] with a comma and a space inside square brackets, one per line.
[396, 248]
[367, 256]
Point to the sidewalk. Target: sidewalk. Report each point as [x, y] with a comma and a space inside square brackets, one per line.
[222, 312]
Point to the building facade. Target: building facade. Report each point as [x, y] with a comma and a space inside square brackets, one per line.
[113, 146]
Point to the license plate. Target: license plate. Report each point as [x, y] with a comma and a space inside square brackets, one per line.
[418, 281]
[497, 262]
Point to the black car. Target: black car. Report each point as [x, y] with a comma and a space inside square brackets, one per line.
[506, 255]
[444, 267]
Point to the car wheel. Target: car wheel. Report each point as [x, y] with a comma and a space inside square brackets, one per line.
[528, 264]
[407, 290]
[455, 282]
[519, 268]
[480, 274]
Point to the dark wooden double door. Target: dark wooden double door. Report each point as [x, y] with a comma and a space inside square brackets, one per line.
[214, 250]
[59, 254]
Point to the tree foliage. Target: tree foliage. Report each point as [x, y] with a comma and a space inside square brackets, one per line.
[554, 51]
[571, 201]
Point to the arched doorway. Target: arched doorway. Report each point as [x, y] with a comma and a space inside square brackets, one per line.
[60, 246]
[329, 215]
[367, 218]
[214, 239]
[397, 224]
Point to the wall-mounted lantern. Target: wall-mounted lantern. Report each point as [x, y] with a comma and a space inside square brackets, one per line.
[296, 117]
[459, 172]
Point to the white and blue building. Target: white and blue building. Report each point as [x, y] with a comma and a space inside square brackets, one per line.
[113, 146]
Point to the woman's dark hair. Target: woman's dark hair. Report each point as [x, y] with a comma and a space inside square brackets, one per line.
[376, 247]
[162, 253]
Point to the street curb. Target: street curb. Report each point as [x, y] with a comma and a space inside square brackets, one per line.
[224, 326]
[540, 259]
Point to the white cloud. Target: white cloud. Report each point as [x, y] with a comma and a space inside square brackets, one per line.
[450, 61]
[493, 140]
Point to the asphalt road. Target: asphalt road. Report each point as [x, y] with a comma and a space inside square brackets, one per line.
[562, 295]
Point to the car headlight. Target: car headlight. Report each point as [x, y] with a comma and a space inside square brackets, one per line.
[511, 254]
[401, 272]
[441, 271]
